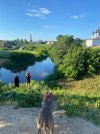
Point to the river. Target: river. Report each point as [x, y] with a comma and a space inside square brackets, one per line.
[39, 71]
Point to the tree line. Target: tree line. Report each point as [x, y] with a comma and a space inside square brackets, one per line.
[14, 44]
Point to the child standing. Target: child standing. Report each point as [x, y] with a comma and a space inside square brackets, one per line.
[16, 80]
[28, 76]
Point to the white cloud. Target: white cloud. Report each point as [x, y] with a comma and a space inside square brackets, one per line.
[75, 17]
[79, 16]
[41, 73]
[44, 11]
[49, 27]
[40, 12]
[29, 14]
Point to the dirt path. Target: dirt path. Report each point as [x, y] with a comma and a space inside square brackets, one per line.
[23, 121]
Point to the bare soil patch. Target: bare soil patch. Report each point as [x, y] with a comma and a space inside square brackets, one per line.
[23, 121]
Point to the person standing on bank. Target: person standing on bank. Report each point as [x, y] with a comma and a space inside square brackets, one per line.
[28, 76]
[16, 80]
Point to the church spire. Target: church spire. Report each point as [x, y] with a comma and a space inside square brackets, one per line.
[31, 38]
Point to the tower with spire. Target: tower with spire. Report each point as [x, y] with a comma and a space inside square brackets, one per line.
[94, 41]
[31, 39]
[96, 34]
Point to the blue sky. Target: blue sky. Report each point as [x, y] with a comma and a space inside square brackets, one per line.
[45, 19]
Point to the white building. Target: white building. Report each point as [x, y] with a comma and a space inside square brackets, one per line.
[50, 42]
[95, 39]
[21, 48]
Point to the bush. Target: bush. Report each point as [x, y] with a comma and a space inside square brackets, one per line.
[22, 96]
[80, 61]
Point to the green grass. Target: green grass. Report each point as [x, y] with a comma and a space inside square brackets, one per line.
[21, 96]
[81, 98]
[78, 98]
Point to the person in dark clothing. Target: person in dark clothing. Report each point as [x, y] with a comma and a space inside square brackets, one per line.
[28, 76]
[16, 80]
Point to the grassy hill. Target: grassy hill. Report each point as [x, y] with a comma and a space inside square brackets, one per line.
[81, 98]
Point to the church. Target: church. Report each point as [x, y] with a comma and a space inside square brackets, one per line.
[95, 39]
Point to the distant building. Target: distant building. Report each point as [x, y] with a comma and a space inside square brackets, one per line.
[31, 39]
[21, 48]
[50, 42]
[95, 39]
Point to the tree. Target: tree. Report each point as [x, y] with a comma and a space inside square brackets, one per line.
[78, 41]
[61, 47]
[80, 61]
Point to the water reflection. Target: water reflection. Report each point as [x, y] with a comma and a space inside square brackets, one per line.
[21, 63]
[39, 71]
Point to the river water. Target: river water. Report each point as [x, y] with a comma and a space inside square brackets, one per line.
[39, 71]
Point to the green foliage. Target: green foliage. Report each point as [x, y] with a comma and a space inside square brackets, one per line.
[31, 98]
[38, 49]
[72, 64]
[14, 44]
[23, 96]
[21, 55]
[1, 86]
[92, 61]
[79, 61]
[74, 60]
[61, 47]
[29, 47]
[20, 60]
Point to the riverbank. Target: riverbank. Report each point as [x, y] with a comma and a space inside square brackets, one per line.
[78, 98]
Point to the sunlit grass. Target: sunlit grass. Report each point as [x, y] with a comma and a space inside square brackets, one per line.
[81, 98]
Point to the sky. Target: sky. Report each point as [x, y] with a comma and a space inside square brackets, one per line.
[46, 19]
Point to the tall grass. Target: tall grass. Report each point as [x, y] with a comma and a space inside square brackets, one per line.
[81, 98]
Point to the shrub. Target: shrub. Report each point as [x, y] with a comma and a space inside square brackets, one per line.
[79, 61]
